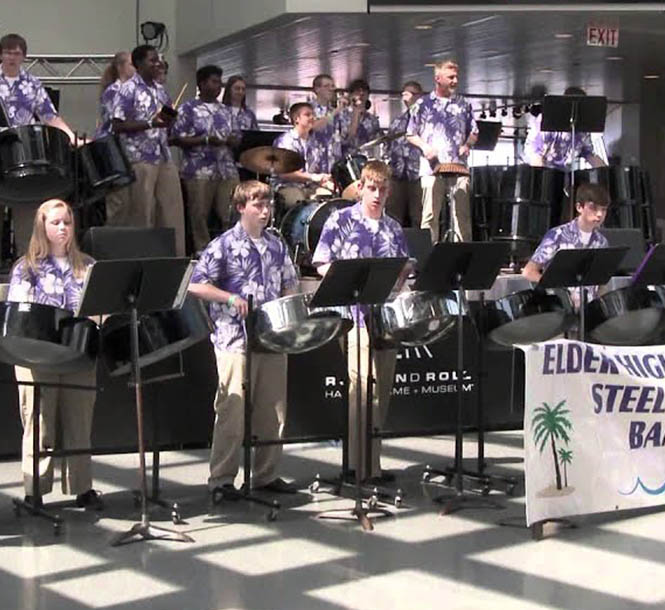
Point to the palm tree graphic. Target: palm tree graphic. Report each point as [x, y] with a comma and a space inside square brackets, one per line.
[565, 457]
[551, 423]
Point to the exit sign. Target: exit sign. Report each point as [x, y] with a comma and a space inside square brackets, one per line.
[602, 36]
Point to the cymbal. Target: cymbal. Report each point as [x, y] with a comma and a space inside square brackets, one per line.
[389, 137]
[268, 159]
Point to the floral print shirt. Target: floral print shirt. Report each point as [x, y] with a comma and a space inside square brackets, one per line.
[312, 150]
[53, 284]
[105, 127]
[198, 118]
[328, 136]
[232, 262]
[368, 129]
[138, 101]
[443, 123]
[24, 99]
[404, 157]
[349, 234]
[555, 147]
[245, 118]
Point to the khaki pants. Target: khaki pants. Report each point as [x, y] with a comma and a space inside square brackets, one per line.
[434, 197]
[117, 207]
[268, 388]
[201, 195]
[405, 202]
[383, 371]
[65, 414]
[156, 200]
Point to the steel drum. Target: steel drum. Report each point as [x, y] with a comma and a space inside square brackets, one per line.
[414, 318]
[302, 225]
[35, 163]
[529, 316]
[161, 334]
[289, 325]
[104, 167]
[627, 316]
[627, 191]
[46, 338]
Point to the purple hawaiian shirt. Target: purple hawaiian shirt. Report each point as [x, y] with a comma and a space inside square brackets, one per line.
[25, 99]
[197, 118]
[349, 234]
[138, 101]
[328, 135]
[567, 237]
[104, 127]
[555, 147]
[368, 129]
[312, 150]
[443, 123]
[232, 262]
[245, 118]
[404, 157]
[53, 284]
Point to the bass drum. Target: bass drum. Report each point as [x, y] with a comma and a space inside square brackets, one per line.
[414, 318]
[46, 338]
[290, 326]
[529, 316]
[35, 164]
[161, 334]
[104, 167]
[302, 225]
[627, 316]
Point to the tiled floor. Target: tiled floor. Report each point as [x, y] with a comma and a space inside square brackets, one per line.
[414, 559]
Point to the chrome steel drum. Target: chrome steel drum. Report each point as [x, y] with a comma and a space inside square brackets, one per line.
[290, 326]
[414, 318]
[35, 163]
[46, 338]
[627, 316]
[302, 225]
[529, 316]
[161, 334]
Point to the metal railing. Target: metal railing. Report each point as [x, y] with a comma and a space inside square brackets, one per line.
[67, 69]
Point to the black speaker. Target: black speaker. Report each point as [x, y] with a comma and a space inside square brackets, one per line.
[634, 239]
[104, 243]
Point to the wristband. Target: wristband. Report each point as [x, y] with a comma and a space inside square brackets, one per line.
[231, 300]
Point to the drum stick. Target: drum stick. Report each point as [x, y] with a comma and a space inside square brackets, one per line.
[177, 100]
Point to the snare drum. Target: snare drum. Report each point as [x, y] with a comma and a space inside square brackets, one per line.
[414, 318]
[290, 326]
[301, 226]
[529, 316]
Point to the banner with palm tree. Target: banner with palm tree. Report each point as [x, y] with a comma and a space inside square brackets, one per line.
[594, 428]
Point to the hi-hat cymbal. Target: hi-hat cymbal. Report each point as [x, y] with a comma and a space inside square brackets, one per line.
[268, 159]
[389, 137]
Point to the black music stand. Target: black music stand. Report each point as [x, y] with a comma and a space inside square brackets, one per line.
[574, 113]
[356, 282]
[137, 286]
[652, 268]
[579, 268]
[462, 266]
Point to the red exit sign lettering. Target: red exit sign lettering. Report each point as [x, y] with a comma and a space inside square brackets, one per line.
[602, 36]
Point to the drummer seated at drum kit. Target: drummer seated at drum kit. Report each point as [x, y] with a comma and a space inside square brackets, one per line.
[364, 230]
[314, 178]
[245, 260]
[591, 203]
[52, 273]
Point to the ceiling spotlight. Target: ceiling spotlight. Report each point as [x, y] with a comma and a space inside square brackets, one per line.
[504, 111]
[151, 30]
[563, 35]
[614, 58]
[483, 115]
[651, 76]
[535, 109]
[422, 26]
[517, 112]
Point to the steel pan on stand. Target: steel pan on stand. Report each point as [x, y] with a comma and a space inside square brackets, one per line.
[289, 325]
